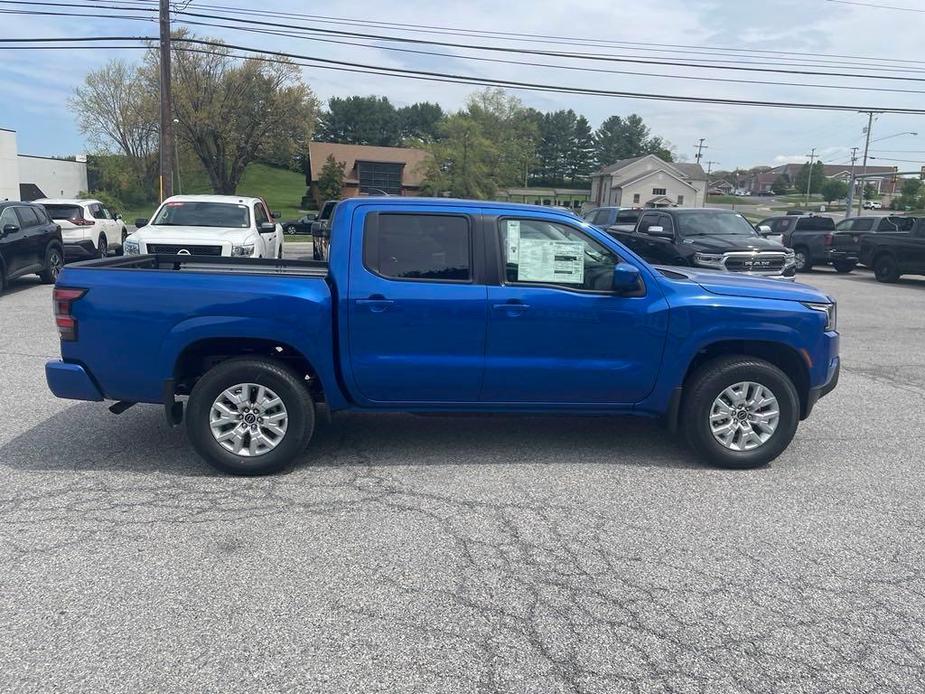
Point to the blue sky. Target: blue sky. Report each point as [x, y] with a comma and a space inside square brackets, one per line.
[36, 83]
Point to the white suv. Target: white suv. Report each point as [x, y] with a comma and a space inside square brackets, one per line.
[88, 228]
[221, 225]
[873, 205]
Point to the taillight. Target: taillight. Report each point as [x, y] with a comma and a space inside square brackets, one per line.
[67, 324]
[81, 222]
[827, 239]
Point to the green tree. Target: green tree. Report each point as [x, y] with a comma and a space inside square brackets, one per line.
[331, 180]
[488, 145]
[781, 185]
[580, 157]
[231, 112]
[870, 192]
[802, 178]
[557, 135]
[118, 113]
[833, 189]
[623, 138]
[360, 120]
[420, 122]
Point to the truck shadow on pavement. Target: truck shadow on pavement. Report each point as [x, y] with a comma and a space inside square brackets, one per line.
[88, 437]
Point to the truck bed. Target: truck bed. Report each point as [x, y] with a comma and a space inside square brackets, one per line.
[205, 263]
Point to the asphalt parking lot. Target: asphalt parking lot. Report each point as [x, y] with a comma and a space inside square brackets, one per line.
[474, 554]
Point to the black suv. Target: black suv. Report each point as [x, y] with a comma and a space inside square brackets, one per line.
[709, 238]
[30, 243]
[810, 237]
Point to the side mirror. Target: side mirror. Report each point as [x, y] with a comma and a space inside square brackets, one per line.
[10, 229]
[118, 217]
[141, 222]
[625, 277]
[266, 228]
[276, 215]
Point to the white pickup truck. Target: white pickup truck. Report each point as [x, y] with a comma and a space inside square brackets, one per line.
[220, 225]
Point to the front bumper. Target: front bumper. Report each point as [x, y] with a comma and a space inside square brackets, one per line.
[71, 381]
[818, 392]
[80, 250]
[837, 256]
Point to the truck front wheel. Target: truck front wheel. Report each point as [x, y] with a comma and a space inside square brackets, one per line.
[739, 412]
[250, 416]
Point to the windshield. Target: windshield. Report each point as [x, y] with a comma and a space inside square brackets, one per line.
[722, 224]
[64, 211]
[203, 214]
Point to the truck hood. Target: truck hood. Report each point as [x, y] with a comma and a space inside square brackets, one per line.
[735, 284]
[181, 234]
[724, 243]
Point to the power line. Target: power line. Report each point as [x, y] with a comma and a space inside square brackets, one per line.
[482, 81]
[877, 7]
[514, 36]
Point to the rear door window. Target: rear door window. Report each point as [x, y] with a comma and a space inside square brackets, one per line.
[419, 247]
[27, 217]
[97, 212]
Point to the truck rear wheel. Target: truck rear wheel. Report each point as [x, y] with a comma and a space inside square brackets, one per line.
[250, 416]
[739, 412]
[886, 269]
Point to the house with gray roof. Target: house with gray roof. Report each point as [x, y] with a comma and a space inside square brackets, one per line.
[649, 181]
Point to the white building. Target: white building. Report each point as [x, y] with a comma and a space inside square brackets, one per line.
[26, 177]
[649, 181]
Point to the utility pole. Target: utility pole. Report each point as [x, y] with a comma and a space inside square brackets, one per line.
[809, 178]
[852, 183]
[700, 147]
[870, 125]
[166, 146]
[709, 171]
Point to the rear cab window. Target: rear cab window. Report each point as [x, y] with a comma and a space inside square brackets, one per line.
[419, 247]
[815, 224]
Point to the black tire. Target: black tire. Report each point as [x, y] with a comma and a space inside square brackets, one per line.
[886, 269]
[286, 384]
[844, 266]
[121, 249]
[102, 246]
[708, 382]
[804, 261]
[54, 261]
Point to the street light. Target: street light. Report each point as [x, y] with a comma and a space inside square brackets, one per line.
[908, 132]
[866, 148]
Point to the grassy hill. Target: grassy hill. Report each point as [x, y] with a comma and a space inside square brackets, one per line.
[283, 189]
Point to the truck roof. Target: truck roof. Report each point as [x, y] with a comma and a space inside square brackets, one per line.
[453, 202]
[235, 199]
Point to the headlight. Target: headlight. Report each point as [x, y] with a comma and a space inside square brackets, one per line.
[130, 247]
[830, 311]
[243, 250]
[708, 259]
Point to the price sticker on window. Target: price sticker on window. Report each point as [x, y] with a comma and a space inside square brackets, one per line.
[513, 240]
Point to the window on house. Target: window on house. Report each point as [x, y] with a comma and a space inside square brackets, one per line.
[635, 197]
[680, 199]
[377, 178]
[659, 191]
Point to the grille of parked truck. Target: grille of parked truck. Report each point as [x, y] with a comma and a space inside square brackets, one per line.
[445, 306]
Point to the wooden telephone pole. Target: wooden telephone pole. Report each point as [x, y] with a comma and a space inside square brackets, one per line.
[166, 146]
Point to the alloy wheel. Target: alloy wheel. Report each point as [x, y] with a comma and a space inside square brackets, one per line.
[248, 419]
[744, 416]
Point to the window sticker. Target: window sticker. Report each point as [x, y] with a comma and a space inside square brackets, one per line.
[513, 240]
[559, 262]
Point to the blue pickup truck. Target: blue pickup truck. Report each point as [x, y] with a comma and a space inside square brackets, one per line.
[433, 305]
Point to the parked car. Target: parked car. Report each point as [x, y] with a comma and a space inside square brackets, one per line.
[88, 227]
[302, 225]
[872, 205]
[810, 237]
[894, 253]
[224, 225]
[30, 243]
[620, 218]
[706, 237]
[321, 237]
[440, 306]
[846, 250]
